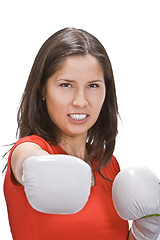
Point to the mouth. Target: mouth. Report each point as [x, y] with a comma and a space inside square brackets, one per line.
[78, 117]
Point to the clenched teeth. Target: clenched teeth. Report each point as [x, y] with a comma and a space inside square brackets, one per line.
[78, 116]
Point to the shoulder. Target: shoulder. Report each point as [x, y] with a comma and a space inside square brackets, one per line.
[33, 139]
[44, 145]
[111, 169]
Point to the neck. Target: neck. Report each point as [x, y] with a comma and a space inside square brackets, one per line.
[75, 146]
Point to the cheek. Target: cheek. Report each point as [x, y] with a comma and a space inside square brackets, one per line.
[98, 99]
[53, 97]
[57, 105]
[59, 96]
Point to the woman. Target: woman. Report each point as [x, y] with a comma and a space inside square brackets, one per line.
[68, 107]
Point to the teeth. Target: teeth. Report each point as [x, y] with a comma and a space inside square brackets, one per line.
[78, 116]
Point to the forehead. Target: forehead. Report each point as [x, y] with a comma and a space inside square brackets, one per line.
[86, 64]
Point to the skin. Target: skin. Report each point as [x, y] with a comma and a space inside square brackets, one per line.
[131, 237]
[76, 88]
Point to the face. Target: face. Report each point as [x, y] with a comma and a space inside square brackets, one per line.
[75, 94]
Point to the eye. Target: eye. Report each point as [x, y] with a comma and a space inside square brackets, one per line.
[93, 85]
[65, 85]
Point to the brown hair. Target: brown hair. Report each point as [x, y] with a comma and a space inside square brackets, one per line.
[33, 117]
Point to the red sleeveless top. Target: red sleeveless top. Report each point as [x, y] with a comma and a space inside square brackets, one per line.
[98, 219]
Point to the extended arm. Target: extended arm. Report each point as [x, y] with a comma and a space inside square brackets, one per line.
[53, 183]
[20, 154]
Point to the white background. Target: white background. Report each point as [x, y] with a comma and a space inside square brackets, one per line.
[130, 32]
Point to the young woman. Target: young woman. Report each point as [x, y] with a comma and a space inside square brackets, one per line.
[69, 107]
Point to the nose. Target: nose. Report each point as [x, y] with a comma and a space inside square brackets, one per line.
[80, 99]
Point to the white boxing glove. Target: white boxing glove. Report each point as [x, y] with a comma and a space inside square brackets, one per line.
[136, 196]
[56, 184]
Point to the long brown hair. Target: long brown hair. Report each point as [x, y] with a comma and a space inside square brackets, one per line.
[33, 117]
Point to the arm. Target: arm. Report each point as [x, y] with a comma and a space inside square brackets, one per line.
[20, 154]
[53, 183]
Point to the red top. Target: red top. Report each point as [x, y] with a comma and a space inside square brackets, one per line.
[98, 219]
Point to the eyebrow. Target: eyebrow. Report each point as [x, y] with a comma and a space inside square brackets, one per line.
[67, 80]
[97, 80]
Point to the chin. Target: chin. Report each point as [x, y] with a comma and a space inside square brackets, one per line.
[75, 134]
